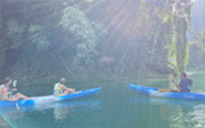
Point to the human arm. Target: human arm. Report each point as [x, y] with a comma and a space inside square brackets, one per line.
[67, 89]
[181, 84]
[14, 89]
[176, 84]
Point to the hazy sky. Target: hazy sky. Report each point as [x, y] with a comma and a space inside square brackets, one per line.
[198, 17]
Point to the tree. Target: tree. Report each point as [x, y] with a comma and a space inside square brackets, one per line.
[197, 51]
[181, 13]
[76, 23]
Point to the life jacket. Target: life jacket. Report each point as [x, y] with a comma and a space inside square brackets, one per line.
[57, 89]
[186, 86]
[9, 93]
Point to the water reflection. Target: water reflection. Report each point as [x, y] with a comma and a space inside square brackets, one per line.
[178, 113]
[3, 123]
[191, 118]
[47, 115]
[61, 111]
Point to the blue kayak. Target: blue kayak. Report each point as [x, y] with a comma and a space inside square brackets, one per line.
[154, 92]
[48, 99]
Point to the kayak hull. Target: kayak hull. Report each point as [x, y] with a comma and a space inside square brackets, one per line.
[49, 99]
[154, 92]
[89, 103]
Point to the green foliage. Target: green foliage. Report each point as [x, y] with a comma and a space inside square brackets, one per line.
[181, 15]
[38, 37]
[172, 49]
[197, 52]
[44, 39]
[76, 23]
[15, 33]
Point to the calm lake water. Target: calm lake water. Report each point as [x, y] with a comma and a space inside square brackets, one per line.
[115, 107]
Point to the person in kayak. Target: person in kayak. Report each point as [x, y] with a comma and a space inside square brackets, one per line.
[60, 89]
[6, 91]
[184, 84]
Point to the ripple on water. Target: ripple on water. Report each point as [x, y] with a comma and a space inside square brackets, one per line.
[194, 118]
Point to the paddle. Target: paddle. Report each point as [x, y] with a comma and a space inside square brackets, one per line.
[172, 79]
[161, 90]
[14, 84]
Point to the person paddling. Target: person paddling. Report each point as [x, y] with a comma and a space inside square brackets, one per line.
[60, 89]
[6, 91]
[184, 84]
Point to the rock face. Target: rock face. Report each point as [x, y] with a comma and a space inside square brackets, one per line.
[105, 62]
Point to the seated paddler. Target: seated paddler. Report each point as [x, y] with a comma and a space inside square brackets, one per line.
[185, 83]
[60, 88]
[10, 94]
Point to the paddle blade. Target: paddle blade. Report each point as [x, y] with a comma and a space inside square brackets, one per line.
[161, 90]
